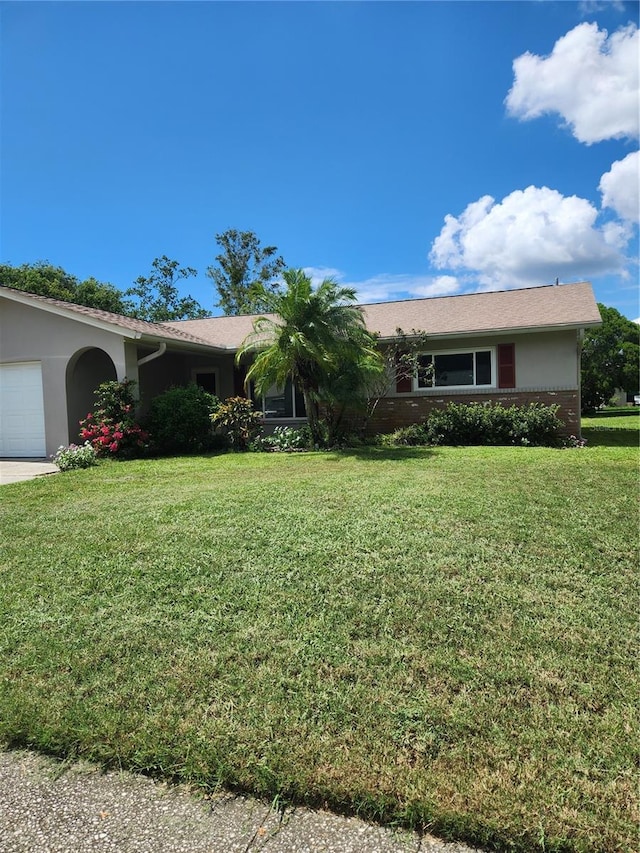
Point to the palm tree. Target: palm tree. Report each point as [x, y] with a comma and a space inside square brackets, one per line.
[310, 335]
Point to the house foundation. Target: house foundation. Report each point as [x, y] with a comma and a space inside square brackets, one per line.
[404, 410]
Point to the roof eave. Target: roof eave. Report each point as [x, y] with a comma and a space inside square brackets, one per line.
[175, 343]
[505, 330]
[70, 314]
[103, 325]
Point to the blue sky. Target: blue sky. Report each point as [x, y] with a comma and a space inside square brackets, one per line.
[409, 149]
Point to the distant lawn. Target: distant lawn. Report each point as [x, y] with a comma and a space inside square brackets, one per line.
[613, 428]
[443, 638]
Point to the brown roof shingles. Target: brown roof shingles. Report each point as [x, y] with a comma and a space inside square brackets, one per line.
[571, 305]
[552, 306]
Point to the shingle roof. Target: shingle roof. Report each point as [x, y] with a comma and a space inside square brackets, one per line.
[152, 330]
[551, 306]
[548, 307]
[228, 332]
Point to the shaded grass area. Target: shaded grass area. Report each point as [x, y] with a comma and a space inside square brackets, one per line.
[442, 638]
[618, 427]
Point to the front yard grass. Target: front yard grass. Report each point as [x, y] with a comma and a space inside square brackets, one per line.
[618, 427]
[443, 638]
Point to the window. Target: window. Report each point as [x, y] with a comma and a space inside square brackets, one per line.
[469, 368]
[286, 402]
[207, 378]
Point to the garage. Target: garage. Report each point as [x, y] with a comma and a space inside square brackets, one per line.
[21, 410]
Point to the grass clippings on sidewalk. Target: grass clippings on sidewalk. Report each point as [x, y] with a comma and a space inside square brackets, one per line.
[443, 638]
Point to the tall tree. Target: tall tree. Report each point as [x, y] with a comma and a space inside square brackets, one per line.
[95, 294]
[246, 271]
[44, 279]
[313, 334]
[158, 297]
[610, 359]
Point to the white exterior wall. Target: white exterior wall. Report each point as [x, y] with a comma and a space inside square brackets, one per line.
[547, 360]
[544, 360]
[32, 334]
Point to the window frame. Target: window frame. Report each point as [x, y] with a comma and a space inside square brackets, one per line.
[195, 371]
[438, 388]
[294, 417]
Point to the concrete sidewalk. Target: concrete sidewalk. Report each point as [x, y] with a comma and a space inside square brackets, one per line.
[57, 808]
[16, 470]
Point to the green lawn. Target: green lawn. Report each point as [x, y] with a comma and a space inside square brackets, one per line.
[443, 638]
[613, 428]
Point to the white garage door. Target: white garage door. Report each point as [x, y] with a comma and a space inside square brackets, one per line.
[21, 410]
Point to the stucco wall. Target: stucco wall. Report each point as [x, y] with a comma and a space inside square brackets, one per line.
[32, 334]
[176, 368]
[544, 360]
[547, 371]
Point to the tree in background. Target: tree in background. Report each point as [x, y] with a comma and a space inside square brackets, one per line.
[158, 296]
[610, 359]
[314, 334]
[246, 272]
[44, 279]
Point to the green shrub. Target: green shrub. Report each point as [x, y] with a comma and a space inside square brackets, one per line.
[179, 420]
[285, 439]
[355, 440]
[75, 456]
[238, 420]
[409, 436]
[483, 423]
[491, 423]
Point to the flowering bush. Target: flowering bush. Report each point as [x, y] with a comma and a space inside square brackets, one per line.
[75, 456]
[111, 429]
[574, 441]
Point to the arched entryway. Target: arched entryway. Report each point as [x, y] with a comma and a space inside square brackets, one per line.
[85, 371]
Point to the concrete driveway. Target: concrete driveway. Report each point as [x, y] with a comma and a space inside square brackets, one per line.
[15, 470]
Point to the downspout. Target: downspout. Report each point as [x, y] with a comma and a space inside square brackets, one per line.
[160, 351]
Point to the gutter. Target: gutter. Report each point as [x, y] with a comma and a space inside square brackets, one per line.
[508, 330]
[162, 348]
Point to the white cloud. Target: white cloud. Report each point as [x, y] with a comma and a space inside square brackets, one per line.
[531, 237]
[382, 288]
[385, 287]
[589, 7]
[620, 187]
[590, 78]
[318, 274]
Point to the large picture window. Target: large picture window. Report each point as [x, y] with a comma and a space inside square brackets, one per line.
[286, 402]
[456, 369]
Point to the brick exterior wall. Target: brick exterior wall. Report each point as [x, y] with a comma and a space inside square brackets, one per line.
[405, 409]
